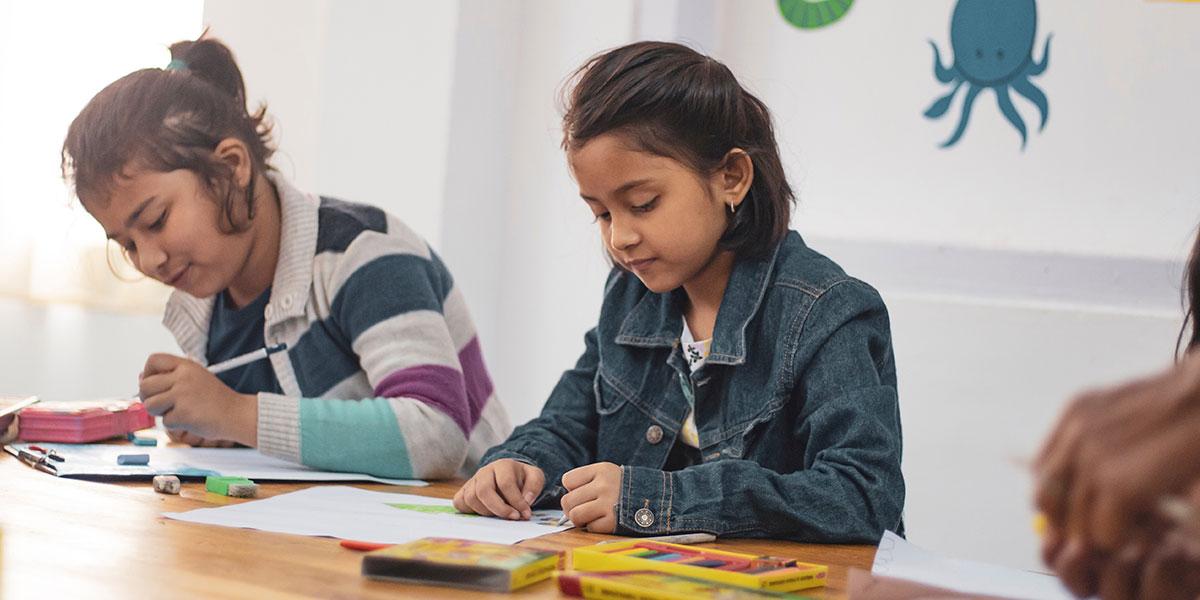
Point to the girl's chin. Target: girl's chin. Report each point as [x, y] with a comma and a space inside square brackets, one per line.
[657, 283]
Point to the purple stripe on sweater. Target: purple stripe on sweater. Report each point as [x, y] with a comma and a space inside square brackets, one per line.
[479, 383]
[440, 387]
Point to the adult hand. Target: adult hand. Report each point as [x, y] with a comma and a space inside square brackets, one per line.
[1113, 455]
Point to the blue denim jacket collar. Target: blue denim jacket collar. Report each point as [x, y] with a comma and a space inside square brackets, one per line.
[656, 320]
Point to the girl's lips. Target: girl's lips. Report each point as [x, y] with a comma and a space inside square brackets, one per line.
[179, 276]
[635, 265]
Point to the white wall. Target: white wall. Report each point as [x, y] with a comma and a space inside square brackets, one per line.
[70, 353]
[360, 91]
[1114, 172]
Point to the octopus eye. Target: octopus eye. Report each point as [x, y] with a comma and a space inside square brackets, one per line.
[978, 53]
[1000, 54]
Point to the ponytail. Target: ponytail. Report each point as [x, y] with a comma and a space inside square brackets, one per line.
[168, 119]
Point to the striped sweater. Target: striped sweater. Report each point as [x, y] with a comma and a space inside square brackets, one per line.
[383, 373]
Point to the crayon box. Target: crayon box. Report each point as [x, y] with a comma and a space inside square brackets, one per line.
[743, 570]
[461, 563]
[652, 585]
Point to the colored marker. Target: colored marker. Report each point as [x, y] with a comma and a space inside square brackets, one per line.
[363, 546]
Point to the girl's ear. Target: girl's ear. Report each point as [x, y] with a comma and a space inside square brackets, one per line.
[733, 178]
[235, 153]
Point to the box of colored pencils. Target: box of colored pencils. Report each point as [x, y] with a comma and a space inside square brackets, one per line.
[743, 570]
[461, 563]
[651, 585]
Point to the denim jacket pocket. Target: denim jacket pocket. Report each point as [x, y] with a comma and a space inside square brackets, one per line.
[609, 399]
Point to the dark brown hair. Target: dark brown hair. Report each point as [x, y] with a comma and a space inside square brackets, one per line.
[167, 119]
[669, 100]
[1191, 302]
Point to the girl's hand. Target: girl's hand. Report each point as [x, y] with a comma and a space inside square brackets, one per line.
[593, 493]
[505, 488]
[191, 399]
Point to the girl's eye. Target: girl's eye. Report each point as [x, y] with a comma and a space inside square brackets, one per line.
[604, 216]
[158, 223]
[647, 207]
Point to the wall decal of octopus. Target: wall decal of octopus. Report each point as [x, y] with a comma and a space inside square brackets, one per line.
[993, 44]
[812, 14]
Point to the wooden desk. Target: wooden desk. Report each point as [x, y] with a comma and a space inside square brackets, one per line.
[66, 538]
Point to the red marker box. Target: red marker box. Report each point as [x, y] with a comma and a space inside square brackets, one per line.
[82, 422]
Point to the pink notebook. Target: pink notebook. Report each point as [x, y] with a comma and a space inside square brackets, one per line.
[82, 422]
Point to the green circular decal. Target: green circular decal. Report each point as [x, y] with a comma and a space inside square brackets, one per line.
[812, 14]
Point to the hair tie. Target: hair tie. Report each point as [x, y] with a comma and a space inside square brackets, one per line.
[177, 64]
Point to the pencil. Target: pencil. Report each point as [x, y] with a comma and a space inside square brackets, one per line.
[237, 361]
[682, 538]
[246, 358]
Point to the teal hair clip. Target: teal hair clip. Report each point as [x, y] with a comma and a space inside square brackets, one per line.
[177, 65]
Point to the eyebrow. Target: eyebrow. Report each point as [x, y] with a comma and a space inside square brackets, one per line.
[625, 187]
[134, 216]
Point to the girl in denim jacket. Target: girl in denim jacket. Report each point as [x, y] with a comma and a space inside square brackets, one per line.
[738, 382]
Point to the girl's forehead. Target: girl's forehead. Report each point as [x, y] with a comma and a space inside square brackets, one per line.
[607, 161]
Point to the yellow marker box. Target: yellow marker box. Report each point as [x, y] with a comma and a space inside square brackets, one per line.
[734, 568]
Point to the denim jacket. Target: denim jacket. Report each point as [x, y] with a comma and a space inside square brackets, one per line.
[796, 408]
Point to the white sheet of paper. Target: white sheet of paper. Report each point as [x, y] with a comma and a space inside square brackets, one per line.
[100, 460]
[896, 558]
[355, 514]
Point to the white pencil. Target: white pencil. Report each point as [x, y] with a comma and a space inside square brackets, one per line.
[246, 358]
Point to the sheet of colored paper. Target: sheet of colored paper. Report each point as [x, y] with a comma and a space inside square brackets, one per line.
[100, 460]
[355, 514]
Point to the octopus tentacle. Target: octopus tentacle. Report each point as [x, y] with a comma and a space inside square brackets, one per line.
[1010, 112]
[940, 107]
[1037, 68]
[972, 91]
[944, 74]
[1034, 95]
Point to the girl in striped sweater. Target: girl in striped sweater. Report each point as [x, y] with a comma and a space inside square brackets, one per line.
[382, 373]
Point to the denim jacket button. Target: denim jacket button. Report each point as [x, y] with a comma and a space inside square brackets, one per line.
[654, 434]
[644, 517]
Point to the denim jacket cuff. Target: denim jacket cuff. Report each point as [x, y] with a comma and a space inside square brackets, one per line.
[644, 507]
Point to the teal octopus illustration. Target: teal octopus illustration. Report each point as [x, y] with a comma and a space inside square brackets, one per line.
[993, 48]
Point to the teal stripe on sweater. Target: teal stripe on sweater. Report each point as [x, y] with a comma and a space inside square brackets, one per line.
[353, 436]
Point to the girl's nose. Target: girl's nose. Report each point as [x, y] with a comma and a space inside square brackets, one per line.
[151, 259]
[622, 236]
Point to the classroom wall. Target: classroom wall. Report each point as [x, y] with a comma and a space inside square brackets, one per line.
[360, 92]
[60, 352]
